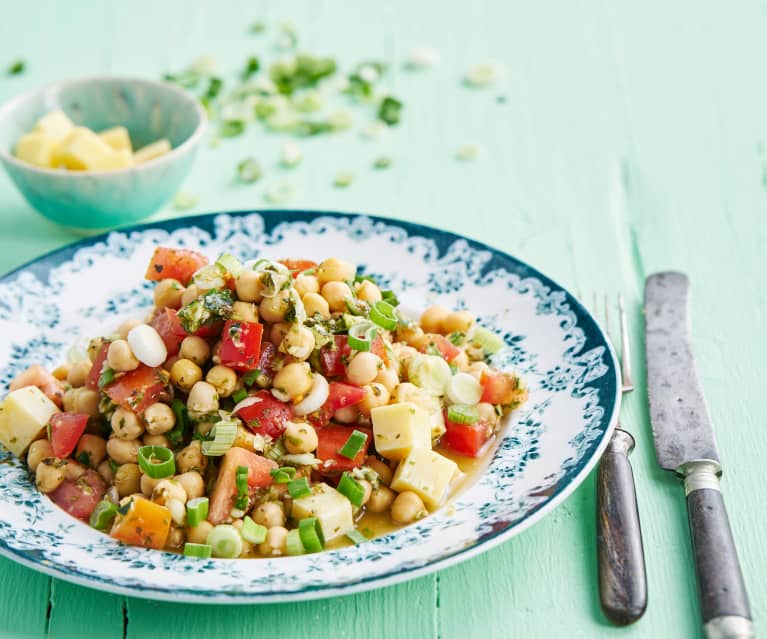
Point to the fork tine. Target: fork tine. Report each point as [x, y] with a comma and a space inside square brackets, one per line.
[628, 381]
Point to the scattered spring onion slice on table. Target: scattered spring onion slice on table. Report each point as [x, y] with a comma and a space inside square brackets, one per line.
[343, 179]
[310, 532]
[462, 414]
[249, 171]
[17, 67]
[201, 551]
[353, 444]
[422, 58]
[224, 434]
[252, 532]
[103, 515]
[351, 489]
[156, 461]
[361, 335]
[484, 74]
[280, 192]
[291, 155]
[197, 511]
[468, 152]
[299, 488]
[225, 541]
[184, 201]
[382, 162]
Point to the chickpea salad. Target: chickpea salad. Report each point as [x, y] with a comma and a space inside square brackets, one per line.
[261, 409]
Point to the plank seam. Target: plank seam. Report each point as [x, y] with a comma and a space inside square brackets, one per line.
[49, 608]
[125, 618]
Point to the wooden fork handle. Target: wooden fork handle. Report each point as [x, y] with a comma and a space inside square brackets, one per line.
[620, 554]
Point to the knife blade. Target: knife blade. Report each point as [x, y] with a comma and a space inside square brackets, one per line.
[685, 443]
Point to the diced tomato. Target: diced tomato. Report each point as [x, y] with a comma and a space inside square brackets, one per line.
[298, 266]
[467, 439]
[499, 388]
[340, 396]
[334, 356]
[378, 347]
[36, 375]
[259, 468]
[448, 350]
[79, 497]
[144, 523]
[139, 388]
[93, 376]
[165, 323]
[241, 344]
[174, 263]
[268, 416]
[204, 331]
[66, 429]
[331, 440]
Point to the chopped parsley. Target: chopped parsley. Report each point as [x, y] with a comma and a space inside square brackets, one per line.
[206, 310]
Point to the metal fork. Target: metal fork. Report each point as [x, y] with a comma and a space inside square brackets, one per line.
[620, 554]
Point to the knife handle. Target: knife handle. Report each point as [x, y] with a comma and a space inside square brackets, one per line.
[723, 599]
[620, 555]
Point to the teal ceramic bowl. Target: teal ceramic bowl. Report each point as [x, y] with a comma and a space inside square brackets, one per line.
[92, 200]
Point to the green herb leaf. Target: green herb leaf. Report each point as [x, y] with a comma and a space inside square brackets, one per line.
[300, 72]
[107, 376]
[389, 110]
[389, 297]
[232, 128]
[17, 67]
[205, 310]
[215, 84]
[343, 179]
[251, 68]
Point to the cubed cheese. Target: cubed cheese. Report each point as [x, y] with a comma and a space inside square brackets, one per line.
[426, 473]
[36, 148]
[84, 150]
[117, 137]
[24, 414]
[120, 159]
[400, 428]
[151, 151]
[332, 510]
[56, 125]
[407, 392]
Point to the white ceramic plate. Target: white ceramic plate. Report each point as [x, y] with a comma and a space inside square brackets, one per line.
[547, 448]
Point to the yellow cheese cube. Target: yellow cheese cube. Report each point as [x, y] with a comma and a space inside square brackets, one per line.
[36, 148]
[332, 510]
[120, 159]
[407, 392]
[56, 125]
[84, 150]
[117, 137]
[151, 151]
[400, 428]
[426, 473]
[24, 414]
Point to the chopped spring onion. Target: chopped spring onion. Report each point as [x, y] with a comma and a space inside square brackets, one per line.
[291, 155]
[300, 459]
[490, 342]
[196, 511]
[103, 515]
[343, 179]
[482, 75]
[356, 536]
[299, 488]
[230, 264]
[429, 372]
[226, 541]
[16, 67]
[210, 277]
[280, 193]
[467, 152]
[253, 532]
[107, 376]
[239, 395]
[389, 110]
[249, 171]
[361, 335]
[353, 445]
[250, 378]
[422, 58]
[382, 162]
[231, 128]
[311, 534]
[462, 414]
[156, 461]
[389, 297]
[293, 545]
[351, 489]
[184, 201]
[283, 475]
[464, 389]
[241, 503]
[383, 314]
[224, 434]
[201, 551]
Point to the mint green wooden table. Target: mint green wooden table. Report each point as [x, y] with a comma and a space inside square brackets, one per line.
[630, 140]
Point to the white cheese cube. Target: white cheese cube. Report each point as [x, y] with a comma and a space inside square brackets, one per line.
[84, 150]
[117, 137]
[426, 473]
[56, 125]
[24, 414]
[36, 148]
[151, 151]
[400, 428]
[332, 510]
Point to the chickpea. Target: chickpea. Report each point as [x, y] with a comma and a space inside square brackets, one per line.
[413, 336]
[168, 293]
[191, 293]
[278, 331]
[274, 545]
[388, 378]
[380, 499]
[375, 395]
[306, 284]
[335, 270]
[245, 312]
[127, 479]
[300, 437]
[199, 534]
[403, 353]
[192, 483]
[247, 440]
[368, 292]
[407, 507]
[336, 294]
[148, 484]
[126, 425]
[190, 458]
[49, 474]
[249, 286]
[461, 361]
[184, 374]
[120, 357]
[159, 418]
[363, 368]
[78, 373]
[274, 309]
[127, 326]
[94, 347]
[487, 413]
[176, 538]
[73, 470]
[38, 450]
[123, 451]
[269, 514]
[315, 304]
[385, 473]
[68, 400]
[293, 381]
[155, 440]
[298, 342]
[458, 321]
[94, 447]
[61, 372]
[166, 489]
[477, 369]
[105, 470]
[368, 488]
[86, 401]
[347, 415]
[223, 379]
[202, 399]
[433, 318]
[194, 349]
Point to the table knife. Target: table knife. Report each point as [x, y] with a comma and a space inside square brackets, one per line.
[685, 444]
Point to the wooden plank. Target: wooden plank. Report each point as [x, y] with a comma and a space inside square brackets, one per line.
[78, 612]
[24, 599]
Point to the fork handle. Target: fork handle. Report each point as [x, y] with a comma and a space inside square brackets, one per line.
[620, 555]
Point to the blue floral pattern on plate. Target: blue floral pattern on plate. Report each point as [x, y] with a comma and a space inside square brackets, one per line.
[545, 451]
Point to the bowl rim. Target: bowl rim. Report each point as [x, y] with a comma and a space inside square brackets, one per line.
[189, 143]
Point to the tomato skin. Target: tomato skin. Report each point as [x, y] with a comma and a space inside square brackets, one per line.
[79, 497]
[298, 266]
[204, 331]
[259, 469]
[266, 417]
[175, 263]
[448, 350]
[333, 358]
[165, 323]
[467, 439]
[66, 429]
[498, 388]
[340, 396]
[138, 389]
[36, 375]
[241, 344]
[93, 376]
[331, 439]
